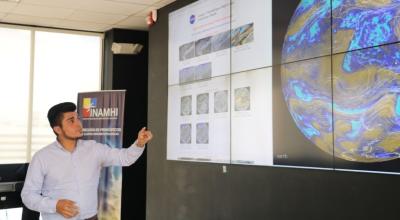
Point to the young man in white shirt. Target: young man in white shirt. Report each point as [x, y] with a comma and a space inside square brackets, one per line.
[63, 177]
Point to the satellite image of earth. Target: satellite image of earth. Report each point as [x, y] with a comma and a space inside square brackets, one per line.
[353, 94]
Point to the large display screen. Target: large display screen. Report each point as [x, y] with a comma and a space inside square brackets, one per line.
[310, 84]
[215, 100]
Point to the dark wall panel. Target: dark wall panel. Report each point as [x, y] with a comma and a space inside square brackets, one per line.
[129, 72]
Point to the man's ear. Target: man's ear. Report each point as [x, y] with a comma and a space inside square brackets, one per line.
[57, 129]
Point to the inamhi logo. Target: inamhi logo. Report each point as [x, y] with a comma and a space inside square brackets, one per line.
[89, 110]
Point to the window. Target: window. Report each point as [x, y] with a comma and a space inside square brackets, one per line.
[40, 68]
[14, 94]
[65, 64]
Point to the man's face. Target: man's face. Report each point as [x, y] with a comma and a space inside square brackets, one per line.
[71, 126]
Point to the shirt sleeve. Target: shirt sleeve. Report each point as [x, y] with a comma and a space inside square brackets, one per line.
[119, 157]
[31, 192]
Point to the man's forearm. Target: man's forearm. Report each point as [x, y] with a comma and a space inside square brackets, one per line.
[38, 202]
[132, 154]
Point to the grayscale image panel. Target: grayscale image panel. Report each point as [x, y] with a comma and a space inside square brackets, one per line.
[243, 35]
[186, 134]
[186, 51]
[203, 71]
[202, 133]
[202, 103]
[203, 46]
[242, 99]
[187, 74]
[221, 101]
[186, 105]
[221, 41]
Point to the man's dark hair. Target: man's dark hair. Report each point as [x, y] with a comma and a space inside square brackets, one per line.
[56, 112]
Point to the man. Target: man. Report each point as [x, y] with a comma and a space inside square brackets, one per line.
[63, 177]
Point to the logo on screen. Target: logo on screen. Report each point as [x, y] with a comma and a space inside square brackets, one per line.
[88, 103]
[192, 19]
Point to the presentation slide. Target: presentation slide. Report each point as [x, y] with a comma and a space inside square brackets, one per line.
[199, 35]
[206, 46]
[251, 99]
[206, 41]
[199, 121]
[251, 35]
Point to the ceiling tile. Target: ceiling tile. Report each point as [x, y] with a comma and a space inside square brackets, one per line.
[72, 4]
[7, 6]
[143, 2]
[96, 17]
[2, 15]
[30, 20]
[145, 11]
[133, 22]
[111, 7]
[42, 11]
[91, 15]
[163, 3]
[86, 26]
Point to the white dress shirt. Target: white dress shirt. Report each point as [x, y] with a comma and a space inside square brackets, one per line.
[55, 173]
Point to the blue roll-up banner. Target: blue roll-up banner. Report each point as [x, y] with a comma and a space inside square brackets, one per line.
[102, 116]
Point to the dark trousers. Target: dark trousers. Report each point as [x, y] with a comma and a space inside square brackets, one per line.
[92, 218]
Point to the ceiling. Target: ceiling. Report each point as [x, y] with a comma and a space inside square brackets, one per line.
[87, 15]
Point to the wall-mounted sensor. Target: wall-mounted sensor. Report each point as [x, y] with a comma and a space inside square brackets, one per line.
[151, 17]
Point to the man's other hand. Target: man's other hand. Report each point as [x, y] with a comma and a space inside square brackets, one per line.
[144, 136]
[67, 208]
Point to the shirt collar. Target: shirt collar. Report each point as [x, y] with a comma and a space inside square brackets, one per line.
[59, 145]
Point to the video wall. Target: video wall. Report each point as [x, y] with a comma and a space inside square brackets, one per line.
[311, 84]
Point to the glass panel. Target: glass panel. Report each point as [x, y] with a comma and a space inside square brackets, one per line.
[65, 64]
[199, 42]
[198, 121]
[366, 104]
[308, 34]
[252, 117]
[14, 94]
[251, 35]
[303, 114]
[11, 214]
[362, 24]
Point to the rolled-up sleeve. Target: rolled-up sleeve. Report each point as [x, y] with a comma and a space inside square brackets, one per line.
[31, 192]
[119, 157]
